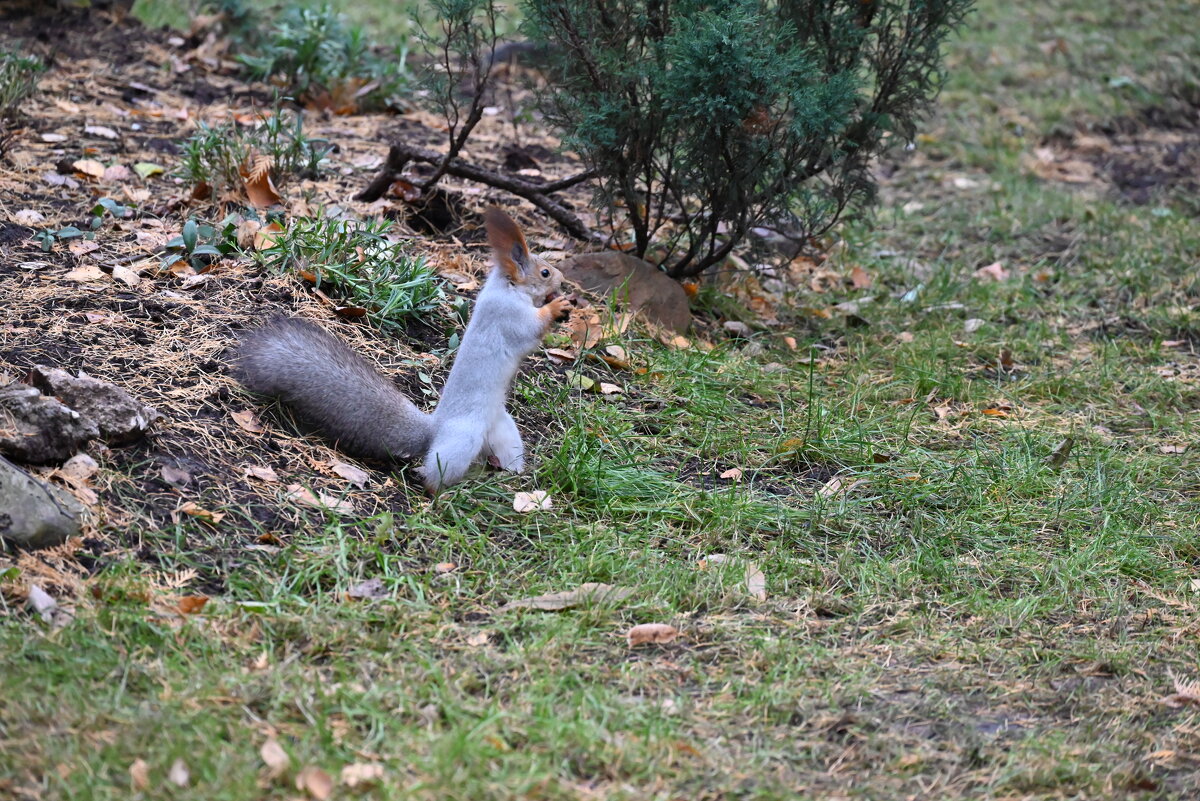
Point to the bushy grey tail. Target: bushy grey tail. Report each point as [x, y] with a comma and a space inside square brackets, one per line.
[333, 388]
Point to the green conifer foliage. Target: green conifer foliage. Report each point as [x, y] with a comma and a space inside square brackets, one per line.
[706, 118]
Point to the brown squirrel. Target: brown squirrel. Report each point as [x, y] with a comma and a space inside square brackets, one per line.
[364, 413]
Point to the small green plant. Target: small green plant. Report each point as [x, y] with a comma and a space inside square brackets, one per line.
[225, 155]
[361, 263]
[105, 205]
[316, 57]
[18, 80]
[200, 243]
[52, 236]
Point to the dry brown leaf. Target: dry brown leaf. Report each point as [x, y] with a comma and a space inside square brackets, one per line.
[355, 475]
[361, 773]
[617, 352]
[116, 173]
[369, 590]
[256, 179]
[586, 328]
[525, 502]
[860, 278]
[86, 274]
[644, 633]
[590, 593]
[247, 421]
[442, 568]
[669, 338]
[560, 356]
[102, 131]
[404, 189]
[265, 236]
[89, 167]
[1172, 448]
[840, 484]
[178, 775]
[79, 467]
[139, 774]
[1052, 46]
[733, 474]
[82, 247]
[175, 476]
[1187, 692]
[756, 582]
[305, 497]
[266, 474]
[993, 272]
[200, 513]
[275, 757]
[314, 781]
[609, 389]
[192, 604]
[125, 275]
[1058, 457]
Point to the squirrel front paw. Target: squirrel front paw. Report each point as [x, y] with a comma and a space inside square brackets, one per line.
[560, 308]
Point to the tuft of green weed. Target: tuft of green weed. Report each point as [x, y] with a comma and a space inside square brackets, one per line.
[18, 80]
[221, 155]
[365, 266]
[199, 243]
[315, 56]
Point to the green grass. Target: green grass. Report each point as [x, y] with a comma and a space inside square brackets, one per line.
[970, 622]
[227, 155]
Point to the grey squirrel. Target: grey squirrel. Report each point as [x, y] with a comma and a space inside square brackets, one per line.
[333, 388]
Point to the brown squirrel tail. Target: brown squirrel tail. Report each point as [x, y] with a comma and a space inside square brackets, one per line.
[333, 388]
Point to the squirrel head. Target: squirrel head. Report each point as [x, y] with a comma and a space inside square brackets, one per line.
[525, 272]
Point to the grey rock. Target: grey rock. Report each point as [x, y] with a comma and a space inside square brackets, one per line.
[34, 514]
[120, 418]
[645, 288]
[37, 429]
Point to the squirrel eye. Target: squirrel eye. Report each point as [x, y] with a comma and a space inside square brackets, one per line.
[545, 273]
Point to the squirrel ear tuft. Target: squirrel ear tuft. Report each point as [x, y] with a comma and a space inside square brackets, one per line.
[508, 243]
